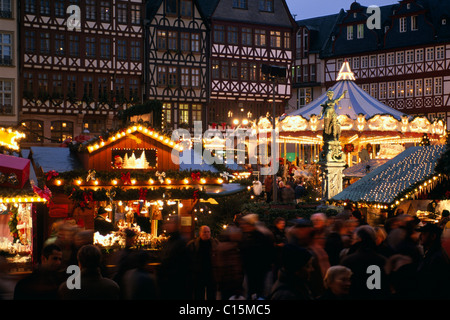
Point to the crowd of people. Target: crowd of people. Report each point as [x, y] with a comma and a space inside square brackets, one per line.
[338, 257]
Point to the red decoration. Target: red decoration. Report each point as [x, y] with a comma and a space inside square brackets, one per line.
[126, 179]
[45, 194]
[195, 176]
[349, 147]
[214, 125]
[51, 174]
[195, 196]
[142, 194]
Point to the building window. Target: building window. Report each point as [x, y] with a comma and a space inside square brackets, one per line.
[105, 48]
[30, 41]
[61, 130]
[305, 43]
[59, 8]
[88, 90]
[428, 86]
[232, 35]
[71, 87]
[215, 69]
[400, 57]
[90, 10]
[313, 73]
[260, 38]
[244, 71]
[196, 112]
[120, 90]
[275, 39]
[74, 46]
[304, 97]
[172, 76]
[105, 11]
[306, 73]
[360, 31]
[219, 34]
[246, 34]
[59, 45]
[162, 75]
[409, 88]
[5, 49]
[90, 47]
[430, 54]
[234, 71]
[102, 83]
[364, 62]
[240, 4]
[42, 86]
[266, 5]
[121, 49]
[195, 42]
[45, 43]
[133, 90]
[171, 6]
[390, 59]
[391, 92]
[381, 60]
[373, 61]
[440, 53]
[419, 55]
[184, 77]
[184, 113]
[167, 113]
[287, 40]
[172, 40]
[253, 72]
[438, 86]
[402, 24]
[186, 8]
[195, 77]
[382, 91]
[418, 87]
[349, 32]
[34, 130]
[6, 100]
[30, 6]
[44, 6]
[400, 89]
[410, 56]
[366, 87]
[374, 90]
[161, 40]
[355, 63]
[122, 13]
[135, 51]
[414, 26]
[28, 87]
[224, 70]
[94, 125]
[184, 41]
[135, 14]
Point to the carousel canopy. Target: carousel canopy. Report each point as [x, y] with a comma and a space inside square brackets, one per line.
[355, 102]
[400, 176]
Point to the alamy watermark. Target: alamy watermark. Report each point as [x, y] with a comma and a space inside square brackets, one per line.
[74, 20]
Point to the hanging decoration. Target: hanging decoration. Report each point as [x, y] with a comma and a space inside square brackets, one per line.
[51, 174]
[160, 176]
[195, 176]
[44, 193]
[126, 178]
[91, 175]
[142, 194]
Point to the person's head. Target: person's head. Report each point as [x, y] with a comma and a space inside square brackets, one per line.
[330, 94]
[380, 235]
[279, 223]
[130, 237]
[89, 257]
[319, 220]
[204, 233]
[301, 232]
[51, 257]
[248, 222]
[445, 213]
[297, 261]
[365, 235]
[430, 235]
[102, 212]
[338, 280]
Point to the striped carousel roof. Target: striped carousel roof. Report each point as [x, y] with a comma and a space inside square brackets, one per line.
[355, 102]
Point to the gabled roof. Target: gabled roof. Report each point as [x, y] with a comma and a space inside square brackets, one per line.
[54, 158]
[396, 177]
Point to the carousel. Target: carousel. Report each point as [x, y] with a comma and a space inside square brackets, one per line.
[369, 128]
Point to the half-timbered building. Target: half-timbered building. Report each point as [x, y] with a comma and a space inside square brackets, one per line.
[8, 63]
[404, 64]
[81, 63]
[245, 35]
[177, 57]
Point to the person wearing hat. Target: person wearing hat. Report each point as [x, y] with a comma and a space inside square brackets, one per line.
[101, 224]
[433, 271]
[293, 277]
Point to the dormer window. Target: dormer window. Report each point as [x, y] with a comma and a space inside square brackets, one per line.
[408, 6]
[349, 32]
[266, 5]
[240, 4]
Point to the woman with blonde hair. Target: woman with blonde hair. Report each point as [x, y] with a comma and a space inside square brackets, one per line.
[337, 283]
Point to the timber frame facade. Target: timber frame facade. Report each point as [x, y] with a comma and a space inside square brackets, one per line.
[76, 80]
[404, 64]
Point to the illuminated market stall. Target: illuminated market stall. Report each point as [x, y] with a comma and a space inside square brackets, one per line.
[134, 173]
[409, 181]
[367, 125]
[19, 201]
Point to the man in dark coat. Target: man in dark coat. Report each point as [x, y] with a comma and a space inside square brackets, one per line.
[101, 224]
[203, 249]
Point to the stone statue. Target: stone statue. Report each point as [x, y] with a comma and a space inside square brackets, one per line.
[331, 125]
